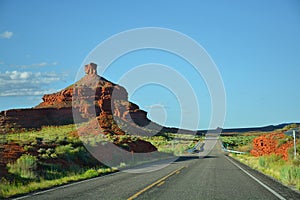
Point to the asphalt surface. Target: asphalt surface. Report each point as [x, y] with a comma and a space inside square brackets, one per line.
[214, 176]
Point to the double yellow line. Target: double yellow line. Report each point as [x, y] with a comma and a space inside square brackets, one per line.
[158, 183]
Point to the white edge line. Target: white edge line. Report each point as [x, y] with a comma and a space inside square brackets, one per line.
[64, 186]
[261, 183]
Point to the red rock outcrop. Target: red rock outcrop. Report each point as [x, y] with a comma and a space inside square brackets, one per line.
[274, 143]
[88, 97]
[34, 118]
[60, 99]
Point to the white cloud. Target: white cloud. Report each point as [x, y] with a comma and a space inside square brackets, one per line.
[35, 65]
[16, 83]
[6, 35]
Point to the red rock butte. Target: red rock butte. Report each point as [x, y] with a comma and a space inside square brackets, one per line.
[90, 97]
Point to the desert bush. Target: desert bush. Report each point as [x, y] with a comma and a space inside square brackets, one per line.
[90, 173]
[41, 150]
[284, 140]
[262, 161]
[24, 166]
[28, 148]
[245, 148]
[53, 155]
[290, 174]
[64, 149]
[237, 141]
[49, 151]
[45, 156]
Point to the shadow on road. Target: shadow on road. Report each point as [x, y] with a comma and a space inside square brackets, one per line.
[210, 157]
[186, 158]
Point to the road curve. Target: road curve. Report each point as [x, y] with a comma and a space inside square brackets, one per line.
[213, 177]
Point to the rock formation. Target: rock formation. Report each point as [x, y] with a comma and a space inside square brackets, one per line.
[91, 96]
[274, 143]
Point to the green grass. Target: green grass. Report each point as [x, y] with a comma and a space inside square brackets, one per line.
[8, 189]
[48, 134]
[287, 172]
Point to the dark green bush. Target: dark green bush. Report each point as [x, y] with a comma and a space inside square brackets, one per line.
[25, 166]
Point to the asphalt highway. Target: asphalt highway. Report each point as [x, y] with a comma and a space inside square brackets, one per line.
[214, 176]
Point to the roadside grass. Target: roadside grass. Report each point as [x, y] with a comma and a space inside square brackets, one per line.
[9, 189]
[286, 172]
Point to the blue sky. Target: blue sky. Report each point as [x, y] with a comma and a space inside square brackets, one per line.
[255, 45]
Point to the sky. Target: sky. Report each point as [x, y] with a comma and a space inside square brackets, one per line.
[255, 45]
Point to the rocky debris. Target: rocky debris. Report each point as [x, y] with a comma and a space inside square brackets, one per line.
[274, 143]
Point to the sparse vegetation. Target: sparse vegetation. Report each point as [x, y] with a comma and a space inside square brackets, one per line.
[241, 143]
[274, 166]
[173, 143]
[286, 171]
[25, 166]
[52, 156]
[9, 188]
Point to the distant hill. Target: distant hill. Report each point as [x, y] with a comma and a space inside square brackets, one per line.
[251, 129]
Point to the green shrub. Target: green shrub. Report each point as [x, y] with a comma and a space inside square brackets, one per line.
[64, 149]
[41, 150]
[50, 151]
[45, 156]
[24, 166]
[262, 161]
[90, 173]
[290, 174]
[273, 158]
[284, 140]
[28, 148]
[53, 155]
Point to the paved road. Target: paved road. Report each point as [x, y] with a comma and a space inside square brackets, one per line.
[213, 177]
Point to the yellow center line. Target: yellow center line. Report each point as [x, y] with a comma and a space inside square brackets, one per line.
[158, 182]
